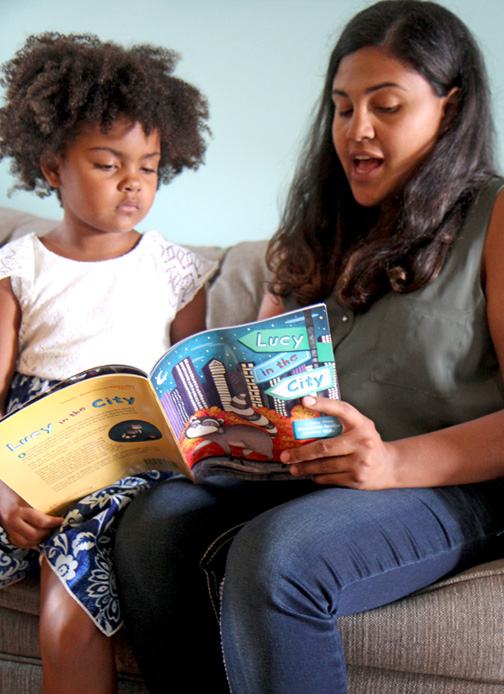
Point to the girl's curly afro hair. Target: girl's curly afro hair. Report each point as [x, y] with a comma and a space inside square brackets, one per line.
[57, 84]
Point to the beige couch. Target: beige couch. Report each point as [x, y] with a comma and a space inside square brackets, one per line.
[446, 639]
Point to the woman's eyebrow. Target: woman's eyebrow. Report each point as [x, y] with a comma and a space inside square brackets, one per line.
[370, 90]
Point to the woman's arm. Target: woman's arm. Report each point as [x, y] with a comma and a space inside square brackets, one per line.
[358, 458]
[465, 453]
[270, 306]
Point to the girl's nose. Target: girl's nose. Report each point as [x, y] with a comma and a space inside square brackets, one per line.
[131, 182]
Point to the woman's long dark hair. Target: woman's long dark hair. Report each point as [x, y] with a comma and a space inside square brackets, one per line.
[328, 243]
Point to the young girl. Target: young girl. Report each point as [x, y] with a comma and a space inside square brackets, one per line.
[103, 126]
[395, 220]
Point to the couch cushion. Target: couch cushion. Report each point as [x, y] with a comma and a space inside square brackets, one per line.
[236, 294]
[454, 629]
[23, 596]
[14, 223]
[19, 610]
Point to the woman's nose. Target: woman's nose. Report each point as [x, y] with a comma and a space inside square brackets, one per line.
[361, 126]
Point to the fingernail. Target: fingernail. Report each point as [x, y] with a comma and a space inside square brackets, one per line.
[308, 401]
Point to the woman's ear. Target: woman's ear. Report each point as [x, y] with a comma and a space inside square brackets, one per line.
[50, 166]
[450, 108]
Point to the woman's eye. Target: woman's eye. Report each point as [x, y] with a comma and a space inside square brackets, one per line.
[344, 112]
[388, 109]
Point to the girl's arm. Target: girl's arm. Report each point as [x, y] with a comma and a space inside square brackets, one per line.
[466, 453]
[25, 526]
[10, 318]
[190, 319]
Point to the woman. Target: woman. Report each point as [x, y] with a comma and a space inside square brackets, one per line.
[394, 221]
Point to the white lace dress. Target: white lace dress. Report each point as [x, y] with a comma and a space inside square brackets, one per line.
[76, 316]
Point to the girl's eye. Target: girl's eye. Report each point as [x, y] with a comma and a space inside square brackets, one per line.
[149, 171]
[105, 167]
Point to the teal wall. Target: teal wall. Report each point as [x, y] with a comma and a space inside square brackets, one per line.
[261, 64]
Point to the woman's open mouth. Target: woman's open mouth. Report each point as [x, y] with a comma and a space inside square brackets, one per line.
[364, 164]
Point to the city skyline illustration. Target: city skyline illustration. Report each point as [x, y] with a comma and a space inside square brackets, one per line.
[216, 368]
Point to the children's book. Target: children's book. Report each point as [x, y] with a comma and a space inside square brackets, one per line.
[224, 401]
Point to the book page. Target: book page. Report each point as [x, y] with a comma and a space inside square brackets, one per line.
[233, 396]
[82, 438]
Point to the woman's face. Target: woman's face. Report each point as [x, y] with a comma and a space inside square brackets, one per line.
[386, 120]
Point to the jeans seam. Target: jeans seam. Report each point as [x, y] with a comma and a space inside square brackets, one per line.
[213, 584]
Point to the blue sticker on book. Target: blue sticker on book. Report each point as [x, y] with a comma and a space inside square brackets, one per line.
[316, 428]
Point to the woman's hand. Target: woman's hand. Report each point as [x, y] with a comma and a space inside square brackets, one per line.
[25, 526]
[357, 458]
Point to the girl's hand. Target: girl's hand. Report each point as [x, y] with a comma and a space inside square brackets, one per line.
[25, 526]
[357, 458]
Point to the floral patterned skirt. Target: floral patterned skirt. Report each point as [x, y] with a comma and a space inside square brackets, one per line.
[80, 551]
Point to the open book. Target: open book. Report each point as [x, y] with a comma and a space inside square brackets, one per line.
[224, 401]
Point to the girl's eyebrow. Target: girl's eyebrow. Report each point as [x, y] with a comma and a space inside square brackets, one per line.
[370, 90]
[117, 153]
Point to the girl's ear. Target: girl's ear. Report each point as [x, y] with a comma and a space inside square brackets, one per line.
[50, 165]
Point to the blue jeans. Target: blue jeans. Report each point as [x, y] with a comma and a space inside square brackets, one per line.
[296, 557]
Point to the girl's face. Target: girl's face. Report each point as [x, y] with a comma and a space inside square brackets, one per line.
[107, 181]
[386, 120]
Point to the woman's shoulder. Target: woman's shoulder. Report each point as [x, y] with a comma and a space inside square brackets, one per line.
[494, 241]
[486, 196]
[479, 213]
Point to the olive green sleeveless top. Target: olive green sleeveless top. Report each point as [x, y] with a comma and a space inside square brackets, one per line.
[422, 361]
